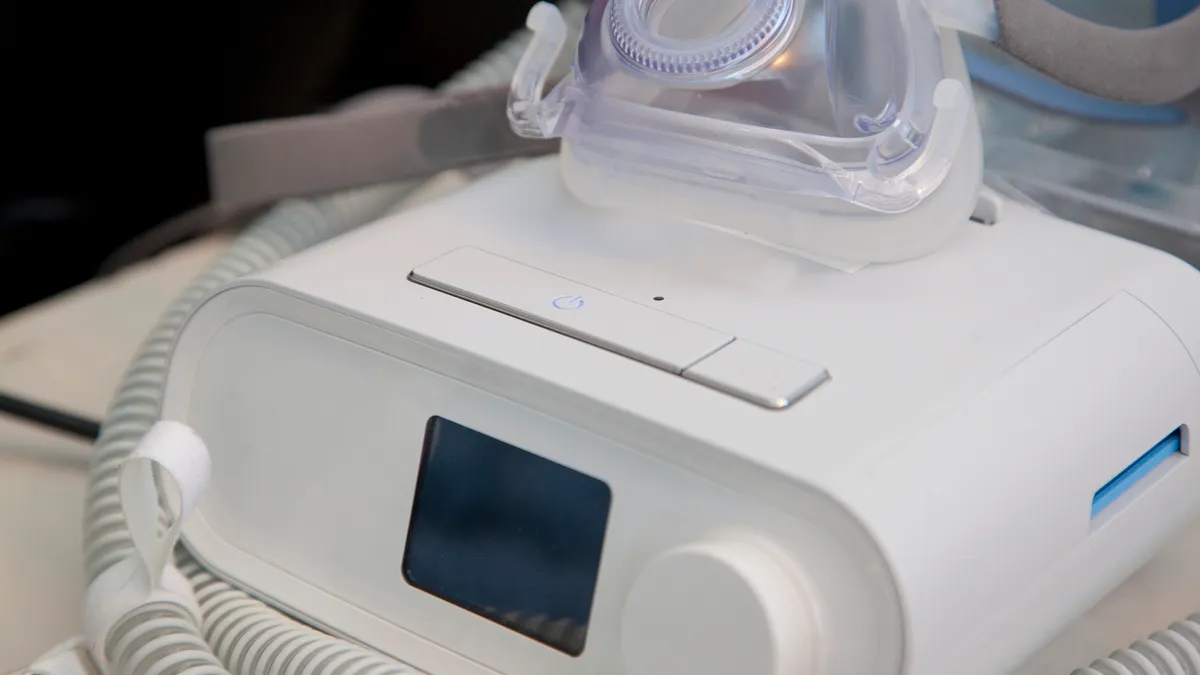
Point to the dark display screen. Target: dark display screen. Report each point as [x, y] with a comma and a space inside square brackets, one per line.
[507, 534]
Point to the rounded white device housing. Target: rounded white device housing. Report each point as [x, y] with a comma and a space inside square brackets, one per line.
[880, 473]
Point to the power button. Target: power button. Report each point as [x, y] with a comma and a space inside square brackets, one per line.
[567, 302]
[571, 308]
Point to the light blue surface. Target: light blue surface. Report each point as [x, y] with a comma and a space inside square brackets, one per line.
[1136, 471]
[1038, 88]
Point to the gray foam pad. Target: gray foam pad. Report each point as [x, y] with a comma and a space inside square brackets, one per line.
[377, 140]
[1150, 65]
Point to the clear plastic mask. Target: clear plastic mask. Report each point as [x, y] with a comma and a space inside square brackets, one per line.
[773, 99]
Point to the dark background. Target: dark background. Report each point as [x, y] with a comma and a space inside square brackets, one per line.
[105, 105]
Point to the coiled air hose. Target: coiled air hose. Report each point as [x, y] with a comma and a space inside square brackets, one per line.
[1174, 651]
[161, 638]
[240, 635]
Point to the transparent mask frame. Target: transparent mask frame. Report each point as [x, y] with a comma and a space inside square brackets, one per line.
[883, 156]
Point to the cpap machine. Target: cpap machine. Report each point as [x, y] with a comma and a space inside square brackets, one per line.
[752, 377]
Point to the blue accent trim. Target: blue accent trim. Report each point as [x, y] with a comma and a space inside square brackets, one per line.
[1044, 91]
[1136, 471]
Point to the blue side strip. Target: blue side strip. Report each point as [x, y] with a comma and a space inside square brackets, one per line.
[1134, 472]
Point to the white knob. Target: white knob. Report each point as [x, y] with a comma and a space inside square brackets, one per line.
[718, 608]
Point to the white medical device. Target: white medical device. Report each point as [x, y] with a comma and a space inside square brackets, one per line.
[504, 433]
[752, 378]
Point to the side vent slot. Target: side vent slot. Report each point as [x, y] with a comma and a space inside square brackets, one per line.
[1168, 447]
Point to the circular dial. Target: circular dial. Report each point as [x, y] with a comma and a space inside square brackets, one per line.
[718, 608]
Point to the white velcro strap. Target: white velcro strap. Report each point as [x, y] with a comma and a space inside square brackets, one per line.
[170, 466]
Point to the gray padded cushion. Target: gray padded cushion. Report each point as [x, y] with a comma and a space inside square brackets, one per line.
[1150, 65]
[377, 140]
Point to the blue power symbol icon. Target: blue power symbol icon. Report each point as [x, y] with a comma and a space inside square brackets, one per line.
[567, 302]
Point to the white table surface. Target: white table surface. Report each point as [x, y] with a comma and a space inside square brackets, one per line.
[72, 350]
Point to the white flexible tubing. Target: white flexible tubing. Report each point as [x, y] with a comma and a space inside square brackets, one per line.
[1173, 651]
[240, 634]
[290, 227]
[253, 638]
[162, 638]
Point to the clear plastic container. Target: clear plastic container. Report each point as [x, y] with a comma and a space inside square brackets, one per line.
[1138, 182]
[1133, 171]
[824, 105]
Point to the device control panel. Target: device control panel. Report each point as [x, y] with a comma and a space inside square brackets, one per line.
[699, 353]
